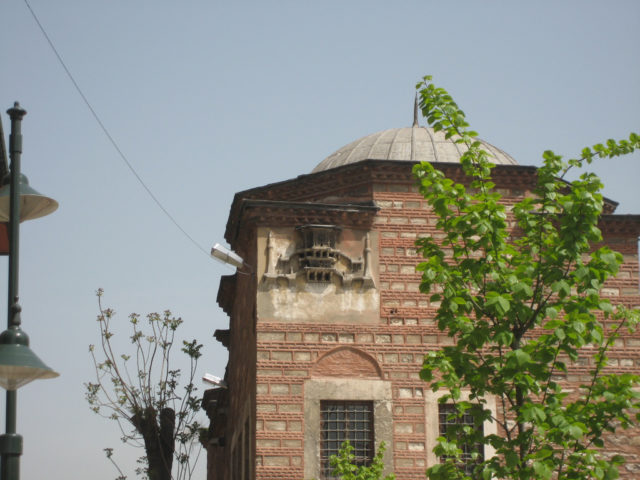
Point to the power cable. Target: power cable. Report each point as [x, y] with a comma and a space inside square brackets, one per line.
[108, 135]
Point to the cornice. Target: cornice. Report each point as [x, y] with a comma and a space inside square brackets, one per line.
[226, 293]
[622, 224]
[257, 212]
[354, 184]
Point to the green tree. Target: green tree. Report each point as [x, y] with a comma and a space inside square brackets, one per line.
[345, 468]
[141, 393]
[523, 305]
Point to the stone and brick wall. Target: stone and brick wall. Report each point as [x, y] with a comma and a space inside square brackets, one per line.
[273, 365]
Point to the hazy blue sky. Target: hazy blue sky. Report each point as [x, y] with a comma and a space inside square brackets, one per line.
[210, 98]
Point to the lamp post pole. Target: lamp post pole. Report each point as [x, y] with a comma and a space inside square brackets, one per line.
[18, 364]
[11, 441]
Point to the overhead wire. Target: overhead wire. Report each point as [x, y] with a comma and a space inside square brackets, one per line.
[108, 134]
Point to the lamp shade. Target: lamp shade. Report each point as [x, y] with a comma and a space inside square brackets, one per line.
[32, 203]
[18, 364]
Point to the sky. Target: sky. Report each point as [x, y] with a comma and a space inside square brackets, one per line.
[209, 98]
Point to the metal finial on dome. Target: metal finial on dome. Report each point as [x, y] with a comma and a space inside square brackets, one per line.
[415, 112]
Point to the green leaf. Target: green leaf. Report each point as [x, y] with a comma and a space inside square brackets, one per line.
[542, 470]
[575, 432]
[511, 458]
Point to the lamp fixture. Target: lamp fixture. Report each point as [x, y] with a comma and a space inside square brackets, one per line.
[18, 364]
[32, 203]
[227, 256]
[212, 379]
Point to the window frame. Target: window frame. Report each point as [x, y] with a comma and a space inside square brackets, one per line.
[376, 390]
[445, 410]
[351, 427]
[432, 423]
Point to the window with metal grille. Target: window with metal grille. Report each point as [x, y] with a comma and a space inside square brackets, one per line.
[343, 420]
[451, 422]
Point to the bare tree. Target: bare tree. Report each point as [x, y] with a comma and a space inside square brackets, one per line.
[142, 394]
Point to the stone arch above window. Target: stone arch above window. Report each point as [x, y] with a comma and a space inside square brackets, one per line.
[347, 362]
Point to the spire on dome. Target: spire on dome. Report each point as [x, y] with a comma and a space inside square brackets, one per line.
[415, 111]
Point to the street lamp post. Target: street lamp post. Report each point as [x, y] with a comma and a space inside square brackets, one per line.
[18, 364]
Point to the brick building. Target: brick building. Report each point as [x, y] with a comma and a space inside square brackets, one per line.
[327, 326]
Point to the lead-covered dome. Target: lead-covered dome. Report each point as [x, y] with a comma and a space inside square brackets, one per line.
[409, 144]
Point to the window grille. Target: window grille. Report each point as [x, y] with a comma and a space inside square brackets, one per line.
[340, 421]
[450, 421]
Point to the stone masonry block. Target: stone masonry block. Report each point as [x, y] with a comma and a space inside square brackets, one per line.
[266, 407]
[262, 388]
[275, 425]
[288, 443]
[275, 461]
[391, 357]
[403, 428]
[364, 337]
[294, 337]
[290, 408]
[413, 410]
[270, 336]
[346, 338]
[311, 337]
[279, 389]
[281, 356]
[295, 426]
[404, 462]
[405, 393]
[302, 356]
[267, 443]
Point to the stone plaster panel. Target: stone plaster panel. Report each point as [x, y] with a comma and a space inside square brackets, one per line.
[301, 301]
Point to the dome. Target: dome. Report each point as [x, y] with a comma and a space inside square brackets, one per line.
[409, 144]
